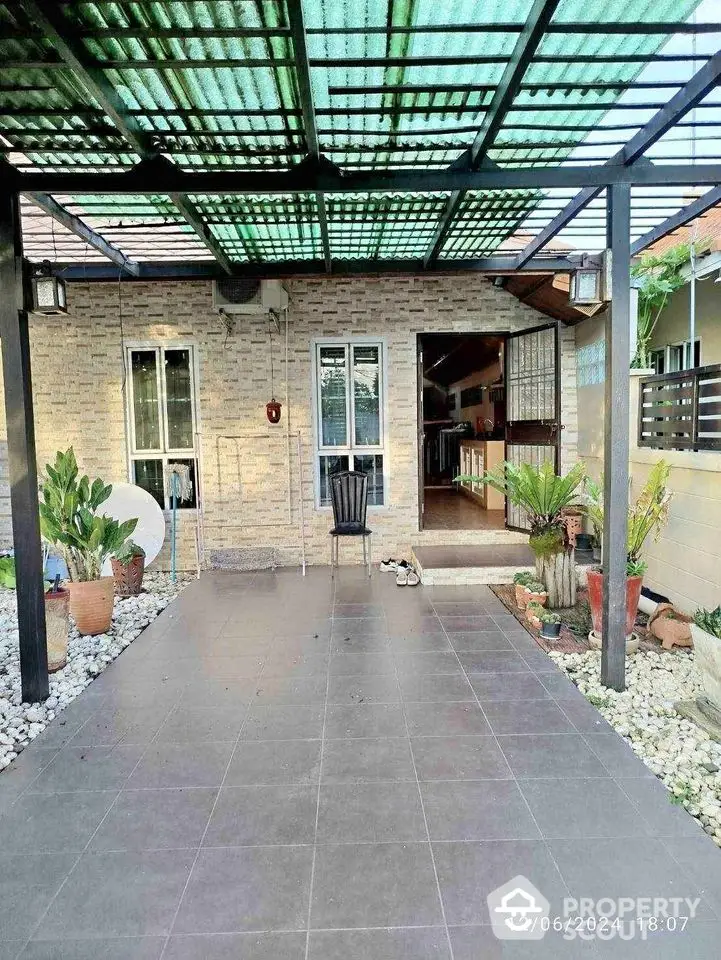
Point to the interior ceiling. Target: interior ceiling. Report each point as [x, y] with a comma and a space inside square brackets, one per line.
[372, 85]
[450, 357]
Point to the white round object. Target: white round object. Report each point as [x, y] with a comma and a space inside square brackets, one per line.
[127, 502]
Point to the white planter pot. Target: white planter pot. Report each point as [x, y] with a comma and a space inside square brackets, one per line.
[707, 657]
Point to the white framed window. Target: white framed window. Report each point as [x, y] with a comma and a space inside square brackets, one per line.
[349, 412]
[674, 357]
[161, 416]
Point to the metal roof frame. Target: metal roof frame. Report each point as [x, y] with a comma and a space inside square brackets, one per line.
[534, 91]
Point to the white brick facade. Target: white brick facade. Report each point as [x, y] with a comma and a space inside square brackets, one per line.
[78, 393]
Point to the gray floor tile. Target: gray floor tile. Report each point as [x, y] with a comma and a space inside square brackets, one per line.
[370, 759]
[223, 693]
[479, 641]
[363, 690]
[493, 661]
[538, 660]
[279, 664]
[181, 765]
[551, 755]
[468, 872]
[202, 725]
[284, 723]
[247, 816]
[576, 809]
[467, 624]
[370, 813]
[399, 944]
[28, 882]
[346, 610]
[638, 867]
[282, 690]
[526, 716]
[460, 608]
[417, 688]
[275, 761]
[116, 948]
[477, 810]
[560, 687]
[119, 894]
[344, 642]
[428, 663]
[365, 720]
[584, 716]
[653, 800]
[53, 823]
[88, 768]
[699, 940]
[445, 719]
[362, 665]
[481, 943]
[374, 885]
[237, 946]
[155, 819]
[247, 888]
[508, 686]
[426, 642]
[459, 758]
[128, 725]
[617, 755]
[700, 860]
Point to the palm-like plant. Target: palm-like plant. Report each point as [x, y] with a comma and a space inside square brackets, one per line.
[69, 519]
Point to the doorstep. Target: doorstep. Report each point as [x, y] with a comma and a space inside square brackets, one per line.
[472, 564]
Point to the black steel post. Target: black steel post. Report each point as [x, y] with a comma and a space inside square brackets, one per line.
[616, 438]
[15, 340]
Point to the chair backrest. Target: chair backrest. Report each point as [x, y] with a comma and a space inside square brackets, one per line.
[349, 496]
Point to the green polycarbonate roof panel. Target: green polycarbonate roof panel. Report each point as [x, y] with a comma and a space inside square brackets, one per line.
[383, 97]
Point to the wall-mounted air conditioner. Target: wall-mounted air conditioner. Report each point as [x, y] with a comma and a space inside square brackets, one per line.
[238, 295]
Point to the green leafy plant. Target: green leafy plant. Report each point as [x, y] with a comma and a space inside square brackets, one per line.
[535, 586]
[534, 608]
[128, 551]
[709, 621]
[648, 515]
[69, 519]
[7, 572]
[541, 493]
[523, 577]
[657, 278]
[548, 616]
[636, 568]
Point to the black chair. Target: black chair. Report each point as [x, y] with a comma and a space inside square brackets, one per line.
[349, 496]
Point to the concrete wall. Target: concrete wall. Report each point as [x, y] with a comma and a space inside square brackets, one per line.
[247, 485]
[685, 563]
[672, 326]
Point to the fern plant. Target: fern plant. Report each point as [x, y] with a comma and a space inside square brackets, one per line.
[542, 494]
[69, 518]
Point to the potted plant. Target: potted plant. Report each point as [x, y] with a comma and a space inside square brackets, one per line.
[533, 613]
[521, 580]
[128, 567]
[57, 623]
[550, 625]
[706, 634]
[543, 495]
[535, 592]
[69, 520]
[647, 515]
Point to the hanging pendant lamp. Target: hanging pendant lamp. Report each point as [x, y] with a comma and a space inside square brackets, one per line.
[273, 407]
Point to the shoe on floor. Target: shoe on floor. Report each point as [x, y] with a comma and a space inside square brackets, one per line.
[402, 577]
[412, 580]
[388, 566]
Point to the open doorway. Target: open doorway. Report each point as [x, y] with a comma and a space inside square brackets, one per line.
[462, 429]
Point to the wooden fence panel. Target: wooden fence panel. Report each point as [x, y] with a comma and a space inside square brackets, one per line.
[681, 411]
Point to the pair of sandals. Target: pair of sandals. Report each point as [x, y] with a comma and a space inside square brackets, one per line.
[406, 576]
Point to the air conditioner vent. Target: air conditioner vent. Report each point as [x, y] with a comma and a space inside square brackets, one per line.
[238, 289]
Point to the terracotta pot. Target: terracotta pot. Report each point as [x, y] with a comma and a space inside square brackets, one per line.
[535, 597]
[57, 613]
[670, 627]
[522, 596]
[128, 577]
[91, 605]
[595, 599]
[573, 522]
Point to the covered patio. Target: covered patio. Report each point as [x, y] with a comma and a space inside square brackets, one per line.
[289, 768]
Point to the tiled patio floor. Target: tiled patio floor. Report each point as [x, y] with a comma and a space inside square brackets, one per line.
[290, 769]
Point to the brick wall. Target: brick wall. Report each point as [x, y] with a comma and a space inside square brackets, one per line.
[250, 487]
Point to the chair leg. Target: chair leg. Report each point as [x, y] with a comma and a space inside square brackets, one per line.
[365, 561]
[332, 556]
[369, 556]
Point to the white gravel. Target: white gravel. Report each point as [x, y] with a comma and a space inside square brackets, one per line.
[682, 755]
[87, 657]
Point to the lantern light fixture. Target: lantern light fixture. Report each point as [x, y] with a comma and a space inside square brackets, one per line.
[49, 295]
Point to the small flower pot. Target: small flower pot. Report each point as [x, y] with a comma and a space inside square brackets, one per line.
[91, 605]
[550, 631]
[531, 597]
[128, 577]
[584, 541]
[670, 627]
[522, 596]
[57, 614]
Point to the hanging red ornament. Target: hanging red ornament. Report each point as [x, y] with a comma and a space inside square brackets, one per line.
[272, 411]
